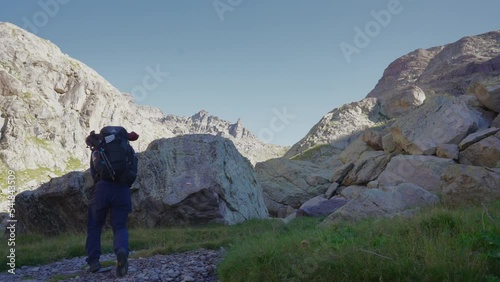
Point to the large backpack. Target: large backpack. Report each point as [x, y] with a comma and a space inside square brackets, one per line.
[113, 158]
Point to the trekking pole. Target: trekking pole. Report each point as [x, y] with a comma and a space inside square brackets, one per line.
[108, 164]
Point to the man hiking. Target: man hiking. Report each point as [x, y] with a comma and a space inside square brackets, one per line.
[113, 166]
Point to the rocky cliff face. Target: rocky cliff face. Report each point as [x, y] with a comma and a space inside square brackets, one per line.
[340, 127]
[442, 70]
[49, 102]
[429, 127]
[407, 82]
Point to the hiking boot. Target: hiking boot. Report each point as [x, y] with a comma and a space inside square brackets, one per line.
[94, 266]
[122, 261]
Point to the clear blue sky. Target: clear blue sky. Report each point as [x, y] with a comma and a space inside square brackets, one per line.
[248, 58]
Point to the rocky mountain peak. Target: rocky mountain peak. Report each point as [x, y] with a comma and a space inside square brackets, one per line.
[49, 102]
[443, 70]
[199, 116]
[448, 70]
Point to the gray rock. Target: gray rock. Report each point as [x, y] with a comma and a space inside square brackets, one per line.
[367, 168]
[331, 190]
[483, 153]
[352, 192]
[372, 184]
[420, 132]
[57, 206]
[388, 144]
[341, 172]
[386, 202]
[373, 137]
[290, 182]
[352, 152]
[277, 209]
[424, 171]
[476, 137]
[319, 206]
[187, 278]
[192, 179]
[203, 176]
[489, 97]
[340, 126]
[496, 122]
[404, 102]
[465, 185]
[447, 151]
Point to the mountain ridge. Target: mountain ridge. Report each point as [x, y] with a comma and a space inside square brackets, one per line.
[50, 102]
[407, 82]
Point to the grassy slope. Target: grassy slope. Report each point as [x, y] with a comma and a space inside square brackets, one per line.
[437, 245]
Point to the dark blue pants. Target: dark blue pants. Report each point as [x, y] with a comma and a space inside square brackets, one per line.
[115, 198]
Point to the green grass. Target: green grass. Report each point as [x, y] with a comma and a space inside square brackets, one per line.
[438, 244]
[40, 174]
[74, 164]
[312, 153]
[40, 142]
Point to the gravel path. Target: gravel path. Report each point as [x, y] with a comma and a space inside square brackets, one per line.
[197, 265]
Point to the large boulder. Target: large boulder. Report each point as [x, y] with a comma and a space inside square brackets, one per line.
[424, 171]
[486, 152]
[352, 192]
[403, 102]
[476, 137]
[196, 179]
[320, 206]
[489, 97]
[290, 183]
[385, 202]
[352, 152]
[57, 206]
[442, 120]
[447, 151]
[191, 179]
[367, 168]
[373, 137]
[340, 172]
[464, 184]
